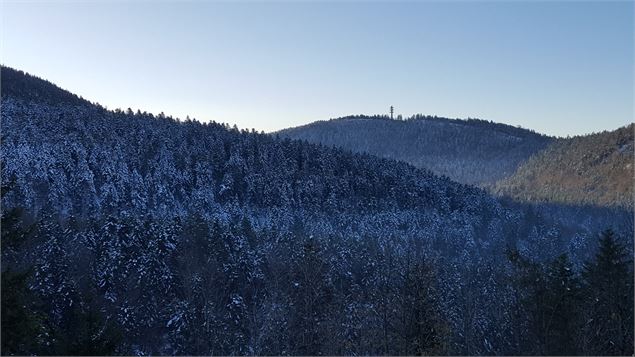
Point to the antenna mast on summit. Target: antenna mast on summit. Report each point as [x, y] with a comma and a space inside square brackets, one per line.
[392, 110]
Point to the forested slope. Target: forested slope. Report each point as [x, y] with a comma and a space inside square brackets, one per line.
[591, 169]
[128, 233]
[468, 151]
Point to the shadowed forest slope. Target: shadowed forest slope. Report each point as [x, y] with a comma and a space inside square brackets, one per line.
[468, 151]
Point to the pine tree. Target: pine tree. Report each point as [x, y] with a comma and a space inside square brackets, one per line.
[420, 327]
[86, 332]
[608, 290]
[22, 324]
[311, 294]
[563, 289]
[529, 281]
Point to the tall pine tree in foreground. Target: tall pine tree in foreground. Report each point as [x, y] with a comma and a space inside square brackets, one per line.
[22, 324]
[608, 308]
[561, 310]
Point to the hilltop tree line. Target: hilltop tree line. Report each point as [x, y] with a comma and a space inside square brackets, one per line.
[469, 151]
[595, 169]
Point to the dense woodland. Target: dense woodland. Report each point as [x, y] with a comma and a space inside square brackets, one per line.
[590, 169]
[469, 151]
[128, 233]
[594, 169]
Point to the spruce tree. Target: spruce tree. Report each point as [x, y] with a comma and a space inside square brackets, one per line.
[608, 290]
[561, 307]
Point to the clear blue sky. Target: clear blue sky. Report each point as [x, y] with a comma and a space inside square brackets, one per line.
[558, 68]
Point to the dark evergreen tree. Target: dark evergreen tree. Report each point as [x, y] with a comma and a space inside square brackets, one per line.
[562, 308]
[311, 296]
[85, 332]
[608, 304]
[419, 326]
[23, 324]
[547, 307]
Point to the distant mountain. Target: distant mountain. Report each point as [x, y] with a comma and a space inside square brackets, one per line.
[469, 151]
[134, 234]
[594, 169]
[591, 169]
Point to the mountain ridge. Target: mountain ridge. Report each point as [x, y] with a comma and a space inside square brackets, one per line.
[469, 151]
[496, 157]
[596, 168]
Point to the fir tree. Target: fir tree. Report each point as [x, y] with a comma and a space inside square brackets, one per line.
[608, 290]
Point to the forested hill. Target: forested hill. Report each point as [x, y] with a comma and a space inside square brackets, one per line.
[18, 84]
[80, 159]
[133, 234]
[469, 151]
[591, 169]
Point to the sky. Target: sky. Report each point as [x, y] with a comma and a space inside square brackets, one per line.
[560, 68]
